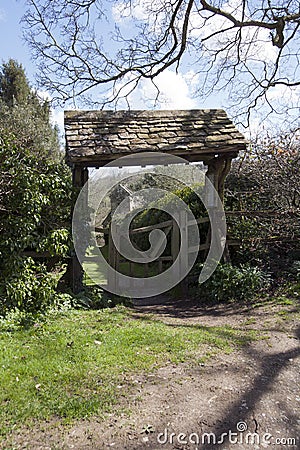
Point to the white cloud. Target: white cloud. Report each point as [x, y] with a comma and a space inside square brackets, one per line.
[44, 95]
[290, 95]
[175, 91]
[256, 43]
[171, 90]
[2, 15]
[153, 12]
[122, 11]
[57, 118]
[137, 9]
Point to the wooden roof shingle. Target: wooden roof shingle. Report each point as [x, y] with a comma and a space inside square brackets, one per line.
[97, 137]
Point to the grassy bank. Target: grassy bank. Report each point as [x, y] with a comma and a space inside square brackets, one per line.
[80, 363]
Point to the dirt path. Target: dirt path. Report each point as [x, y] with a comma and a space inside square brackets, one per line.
[247, 399]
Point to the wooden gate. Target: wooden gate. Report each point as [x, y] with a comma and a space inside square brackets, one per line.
[176, 231]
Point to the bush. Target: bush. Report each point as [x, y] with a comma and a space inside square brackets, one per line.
[265, 185]
[16, 319]
[28, 287]
[35, 204]
[229, 283]
[295, 270]
[155, 214]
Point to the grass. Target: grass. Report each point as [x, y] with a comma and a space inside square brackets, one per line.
[96, 272]
[81, 363]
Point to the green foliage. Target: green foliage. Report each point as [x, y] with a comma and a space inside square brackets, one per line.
[265, 186]
[27, 287]
[57, 242]
[14, 87]
[155, 180]
[156, 214]
[35, 202]
[26, 115]
[35, 207]
[229, 283]
[35, 197]
[295, 270]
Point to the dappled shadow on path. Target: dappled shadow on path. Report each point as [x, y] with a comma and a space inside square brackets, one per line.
[270, 366]
[187, 308]
[271, 372]
[265, 404]
[213, 314]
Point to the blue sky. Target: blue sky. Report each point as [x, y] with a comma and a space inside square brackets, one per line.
[176, 89]
[12, 45]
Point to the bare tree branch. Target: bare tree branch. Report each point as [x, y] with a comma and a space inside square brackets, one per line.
[249, 49]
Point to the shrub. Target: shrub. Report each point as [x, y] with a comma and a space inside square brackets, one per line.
[35, 203]
[229, 283]
[28, 287]
[295, 270]
[155, 214]
[265, 185]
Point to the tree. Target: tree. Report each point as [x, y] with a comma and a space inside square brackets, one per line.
[14, 87]
[25, 115]
[249, 48]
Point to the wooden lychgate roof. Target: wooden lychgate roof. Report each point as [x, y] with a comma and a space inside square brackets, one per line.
[94, 138]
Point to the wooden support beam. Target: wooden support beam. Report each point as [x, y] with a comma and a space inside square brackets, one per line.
[79, 178]
[218, 168]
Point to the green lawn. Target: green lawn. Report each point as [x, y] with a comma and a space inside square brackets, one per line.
[78, 363]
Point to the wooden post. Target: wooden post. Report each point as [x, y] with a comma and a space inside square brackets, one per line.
[111, 261]
[218, 169]
[179, 246]
[184, 253]
[146, 270]
[160, 265]
[184, 241]
[222, 177]
[210, 195]
[114, 255]
[79, 178]
[175, 245]
[221, 183]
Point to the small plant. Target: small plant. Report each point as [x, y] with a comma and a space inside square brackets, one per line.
[16, 319]
[284, 301]
[230, 283]
[94, 297]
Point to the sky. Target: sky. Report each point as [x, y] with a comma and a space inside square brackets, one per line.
[176, 89]
[13, 46]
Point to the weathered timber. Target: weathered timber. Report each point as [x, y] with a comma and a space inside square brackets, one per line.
[96, 138]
